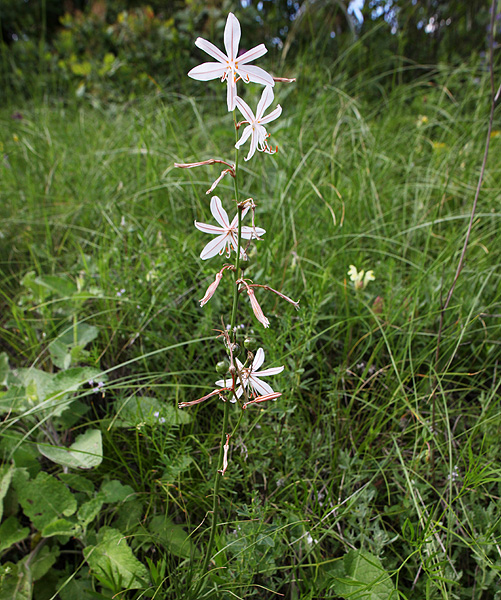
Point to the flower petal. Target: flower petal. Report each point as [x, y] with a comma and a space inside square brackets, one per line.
[258, 360]
[218, 212]
[213, 229]
[211, 50]
[244, 108]
[207, 71]
[214, 247]
[272, 116]
[266, 99]
[245, 136]
[267, 372]
[259, 386]
[252, 54]
[232, 34]
[253, 146]
[248, 233]
[255, 74]
[231, 94]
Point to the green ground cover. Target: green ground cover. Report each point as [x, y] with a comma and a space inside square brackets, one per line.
[376, 474]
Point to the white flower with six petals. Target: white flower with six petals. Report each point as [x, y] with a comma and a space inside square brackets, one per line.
[227, 233]
[230, 66]
[250, 377]
[255, 127]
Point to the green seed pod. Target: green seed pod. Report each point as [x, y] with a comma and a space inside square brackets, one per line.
[250, 343]
[222, 367]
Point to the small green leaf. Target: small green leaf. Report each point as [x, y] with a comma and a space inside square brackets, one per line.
[15, 582]
[113, 556]
[60, 285]
[60, 354]
[4, 368]
[114, 491]
[89, 511]
[5, 479]
[11, 532]
[85, 453]
[61, 527]
[364, 578]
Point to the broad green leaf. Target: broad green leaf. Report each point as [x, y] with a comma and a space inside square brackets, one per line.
[112, 555]
[77, 482]
[60, 354]
[82, 335]
[43, 561]
[143, 410]
[11, 532]
[5, 479]
[61, 527]
[15, 582]
[24, 454]
[85, 453]
[173, 537]
[70, 418]
[114, 491]
[364, 578]
[129, 514]
[43, 499]
[79, 588]
[72, 379]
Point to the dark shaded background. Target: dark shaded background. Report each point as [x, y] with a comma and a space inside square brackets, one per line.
[119, 48]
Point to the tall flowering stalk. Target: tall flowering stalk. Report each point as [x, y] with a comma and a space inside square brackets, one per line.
[242, 384]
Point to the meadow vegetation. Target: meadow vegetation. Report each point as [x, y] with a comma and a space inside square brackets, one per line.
[376, 474]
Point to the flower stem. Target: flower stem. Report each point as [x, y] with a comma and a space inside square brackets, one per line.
[215, 501]
[217, 481]
[239, 241]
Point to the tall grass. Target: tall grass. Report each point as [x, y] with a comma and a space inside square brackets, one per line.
[382, 178]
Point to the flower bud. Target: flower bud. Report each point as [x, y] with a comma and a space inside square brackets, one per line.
[250, 343]
[235, 348]
[222, 367]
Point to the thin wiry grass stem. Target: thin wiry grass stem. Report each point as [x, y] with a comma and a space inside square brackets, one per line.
[494, 97]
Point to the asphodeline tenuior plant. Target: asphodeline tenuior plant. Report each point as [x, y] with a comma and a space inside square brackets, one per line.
[243, 383]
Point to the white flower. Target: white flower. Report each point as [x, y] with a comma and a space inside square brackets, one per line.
[360, 280]
[230, 66]
[226, 234]
[255, 127]
[250, 377]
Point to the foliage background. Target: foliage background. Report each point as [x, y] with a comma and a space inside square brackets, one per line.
[118, 49]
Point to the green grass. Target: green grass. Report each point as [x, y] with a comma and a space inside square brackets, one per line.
[349, 457]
